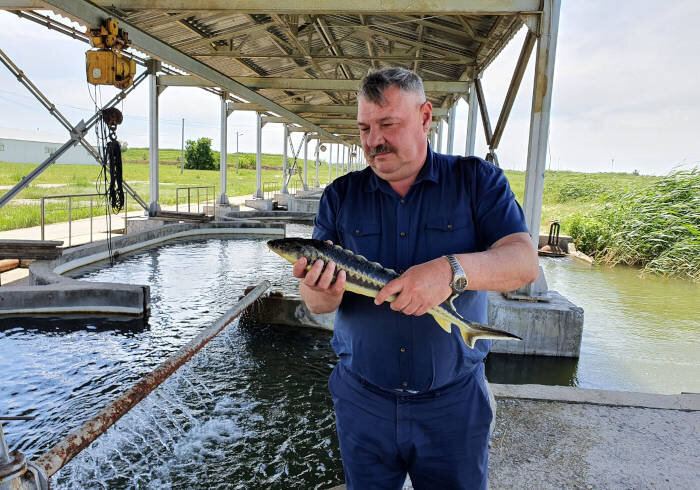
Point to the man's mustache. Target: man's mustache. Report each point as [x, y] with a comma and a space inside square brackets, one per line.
[381, 149]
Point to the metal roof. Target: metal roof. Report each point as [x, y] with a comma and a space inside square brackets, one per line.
[286, 42]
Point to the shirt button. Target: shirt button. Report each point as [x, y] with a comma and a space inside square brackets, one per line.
[357, 232]
[449, 227]
[403, 201]
[402, 234]
[403, 349]
[404, 384]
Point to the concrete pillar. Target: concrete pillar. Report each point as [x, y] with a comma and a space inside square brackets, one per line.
[337, 160]
[539, 117]
[452, 119]
[258, 157]
[330, 163]
[431, 137]
[284, 159]
[345, 158]
[223, 200]
[305, 184]
[153, 67]
[318, 156]
[471, 120]
[439, 136]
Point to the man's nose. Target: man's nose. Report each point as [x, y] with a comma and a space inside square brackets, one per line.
[374, 137]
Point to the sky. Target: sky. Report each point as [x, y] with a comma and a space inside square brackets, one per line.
[625, 93]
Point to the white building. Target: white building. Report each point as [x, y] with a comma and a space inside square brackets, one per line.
[21, 146]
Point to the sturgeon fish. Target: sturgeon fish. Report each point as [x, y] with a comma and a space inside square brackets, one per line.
[367, 278]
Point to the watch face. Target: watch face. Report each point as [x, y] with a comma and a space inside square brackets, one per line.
[460, 283]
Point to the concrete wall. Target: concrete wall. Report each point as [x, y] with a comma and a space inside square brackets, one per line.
[51, 293]
[548, 329]
[24, 151]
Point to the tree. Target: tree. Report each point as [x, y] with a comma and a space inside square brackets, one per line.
[124, 146]
[198, 155]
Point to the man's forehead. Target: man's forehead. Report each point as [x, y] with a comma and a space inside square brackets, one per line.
[395, 101]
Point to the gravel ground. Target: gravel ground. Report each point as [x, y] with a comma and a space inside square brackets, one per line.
[544, 444]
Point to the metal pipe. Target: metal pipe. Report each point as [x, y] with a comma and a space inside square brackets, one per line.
[70, 216]
[91, 218]
[258, 157]
[57, 457]
[43, 220]
[306, 162]
[284, 159]
[471, 121]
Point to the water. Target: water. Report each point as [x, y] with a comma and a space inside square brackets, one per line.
[252, 409]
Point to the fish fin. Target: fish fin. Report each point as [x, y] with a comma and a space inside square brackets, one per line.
[444, 323]
[472, 332]
[451, 300]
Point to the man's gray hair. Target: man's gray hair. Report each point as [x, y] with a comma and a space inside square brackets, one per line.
[376, 82]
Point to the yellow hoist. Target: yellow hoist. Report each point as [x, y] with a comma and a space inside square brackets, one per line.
[106, 65]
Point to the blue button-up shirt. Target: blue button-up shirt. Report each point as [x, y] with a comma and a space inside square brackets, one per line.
[456, 205]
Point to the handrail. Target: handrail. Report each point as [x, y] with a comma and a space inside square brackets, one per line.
[189, 189]
[70, 212]
[60, 454]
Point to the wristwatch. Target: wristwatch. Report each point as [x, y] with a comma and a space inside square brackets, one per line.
[459, 278]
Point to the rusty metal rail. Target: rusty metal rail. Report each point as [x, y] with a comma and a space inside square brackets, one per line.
[54, 459]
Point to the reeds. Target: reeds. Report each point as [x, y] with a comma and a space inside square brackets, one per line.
[656, 227]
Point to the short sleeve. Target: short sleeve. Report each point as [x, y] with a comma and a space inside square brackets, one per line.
[498, 214]
[324, 223]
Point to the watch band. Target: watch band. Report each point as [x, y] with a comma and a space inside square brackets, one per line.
[459, 277]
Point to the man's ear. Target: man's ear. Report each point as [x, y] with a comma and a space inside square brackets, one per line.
[426, 115]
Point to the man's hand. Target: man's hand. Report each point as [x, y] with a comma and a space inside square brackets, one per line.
[420, 288]
[316, 289]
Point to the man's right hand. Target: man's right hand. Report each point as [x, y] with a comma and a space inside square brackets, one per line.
[315, 287]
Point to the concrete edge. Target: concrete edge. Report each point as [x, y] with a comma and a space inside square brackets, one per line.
[568, 394]
[51, 293]
[104, 254]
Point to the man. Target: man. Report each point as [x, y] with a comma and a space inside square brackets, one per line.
[410, 398]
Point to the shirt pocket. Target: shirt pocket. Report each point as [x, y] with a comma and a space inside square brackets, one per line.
[448, 234]
[362, 237]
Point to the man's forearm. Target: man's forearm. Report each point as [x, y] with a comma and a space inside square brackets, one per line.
[509, 264]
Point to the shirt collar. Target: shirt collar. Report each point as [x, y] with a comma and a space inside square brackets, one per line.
[428, 171]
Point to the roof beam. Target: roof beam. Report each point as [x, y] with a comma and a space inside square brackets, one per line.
[386, 58]
[302, 83]
[342, 85]
[425, 7]
[317, 109]
[93, 16]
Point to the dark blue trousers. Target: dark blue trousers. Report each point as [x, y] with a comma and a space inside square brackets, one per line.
[440, 438]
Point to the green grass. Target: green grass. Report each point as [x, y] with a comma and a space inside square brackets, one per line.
[654, 226]
[81, 179]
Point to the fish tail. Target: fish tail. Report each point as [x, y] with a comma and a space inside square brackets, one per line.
[471, 332]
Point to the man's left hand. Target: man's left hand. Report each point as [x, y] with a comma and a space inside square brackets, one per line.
[420, 288]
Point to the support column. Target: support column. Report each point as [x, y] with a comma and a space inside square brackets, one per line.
[305, 184]
[318, 156]
[539, 118]
[431, 137]
[258, 157]
[223, 200]
[439, 136]
[284, 159]
[330, 163]
[345, 159]
[153, 67]
[471, 120]
[451, 120]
